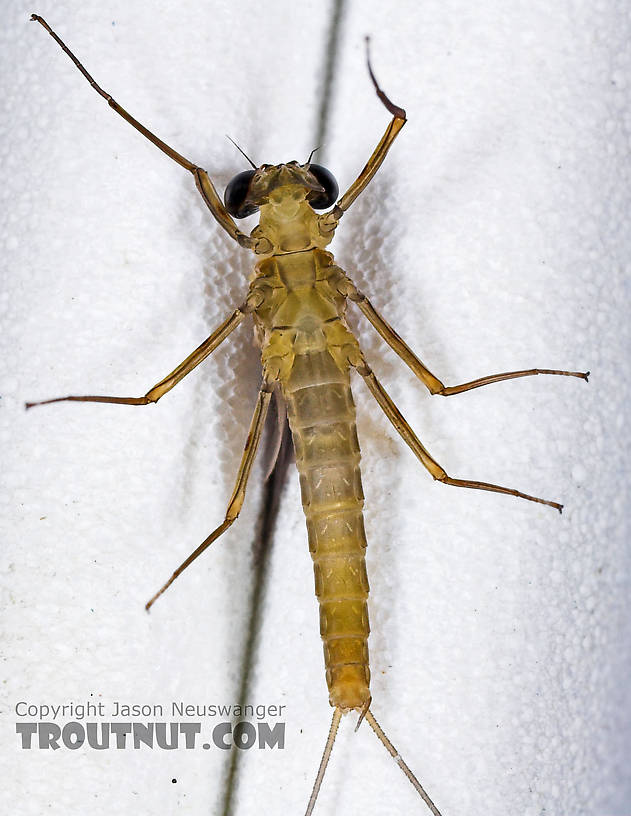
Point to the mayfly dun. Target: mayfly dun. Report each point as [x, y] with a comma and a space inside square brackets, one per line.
[297, 299]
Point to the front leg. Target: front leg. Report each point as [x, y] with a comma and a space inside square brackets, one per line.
[202, 180]
[329, 221]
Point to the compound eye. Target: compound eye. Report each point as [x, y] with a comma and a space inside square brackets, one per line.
[236, 194]
[320, 201]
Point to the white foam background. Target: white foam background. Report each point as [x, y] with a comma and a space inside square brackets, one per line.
[494, 238]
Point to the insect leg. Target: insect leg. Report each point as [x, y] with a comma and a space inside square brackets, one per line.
[238, 494]
[203, 182]
[408, 436]
[434, 385]
[329, 220]
[184, 368]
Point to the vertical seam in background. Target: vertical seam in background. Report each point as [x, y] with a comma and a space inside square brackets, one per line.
[272, 490]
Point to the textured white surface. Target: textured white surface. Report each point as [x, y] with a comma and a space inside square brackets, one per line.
[495, 238]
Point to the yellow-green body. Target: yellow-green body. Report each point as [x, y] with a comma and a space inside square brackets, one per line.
[298, 299]
[307, 348]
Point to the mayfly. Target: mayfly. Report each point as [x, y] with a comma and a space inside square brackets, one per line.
[297, 299]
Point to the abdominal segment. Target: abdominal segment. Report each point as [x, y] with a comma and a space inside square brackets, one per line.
[322, 420]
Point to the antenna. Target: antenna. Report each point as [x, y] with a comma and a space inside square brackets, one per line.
[311, 154]
[242, 152]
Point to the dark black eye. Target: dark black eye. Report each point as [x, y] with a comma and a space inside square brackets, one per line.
[320, 201]
[236, 193]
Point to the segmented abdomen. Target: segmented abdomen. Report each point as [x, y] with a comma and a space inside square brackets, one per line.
[322, 419]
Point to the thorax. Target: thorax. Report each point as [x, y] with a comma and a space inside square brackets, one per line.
[298, 290]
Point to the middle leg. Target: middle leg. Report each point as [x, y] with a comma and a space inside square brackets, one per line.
[400, 347]
[398, 420]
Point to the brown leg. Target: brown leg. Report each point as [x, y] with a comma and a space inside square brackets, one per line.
[434, 385]
[328, 221]
[161, 388]
[238, 494]
[202, 181]
[408, 435]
